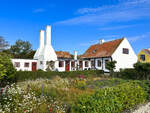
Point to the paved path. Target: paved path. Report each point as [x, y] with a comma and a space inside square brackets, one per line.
[143, 109]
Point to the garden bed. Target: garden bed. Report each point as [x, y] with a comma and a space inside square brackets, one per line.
[63, 95]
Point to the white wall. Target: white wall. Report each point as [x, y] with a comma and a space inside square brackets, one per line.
[22, 62]
[96, 64]
[124, 60]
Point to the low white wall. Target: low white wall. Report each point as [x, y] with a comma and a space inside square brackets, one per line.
[22, 62]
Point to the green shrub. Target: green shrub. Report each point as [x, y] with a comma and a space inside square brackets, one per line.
[128, 73]
[143, 70]
[7, 71]
[110, 100]
[27, 75]
[146, 86]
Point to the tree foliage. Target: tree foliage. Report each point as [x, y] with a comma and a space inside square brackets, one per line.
[21, 49]
[143, 70]
[7, 70]
[110, 65]
[3, 44]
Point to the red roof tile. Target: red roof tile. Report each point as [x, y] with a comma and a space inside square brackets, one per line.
[102, 50]
[147, 51]
[63, 54]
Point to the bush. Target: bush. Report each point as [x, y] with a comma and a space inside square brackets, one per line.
[110, 100]
[146, 86]
[128, 74]
[27, 75]
[7, 71]
[143, 70]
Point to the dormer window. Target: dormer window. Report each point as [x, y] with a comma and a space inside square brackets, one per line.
[94, 51]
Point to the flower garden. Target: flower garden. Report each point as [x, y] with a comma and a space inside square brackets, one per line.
[80, 94]
[87, 91]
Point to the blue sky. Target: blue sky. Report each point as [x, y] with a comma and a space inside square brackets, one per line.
[76, 24]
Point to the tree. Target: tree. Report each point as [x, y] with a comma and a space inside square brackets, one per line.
[143, 70]
[7, 70]
[110, 65]
[21, 49]
[3, 44]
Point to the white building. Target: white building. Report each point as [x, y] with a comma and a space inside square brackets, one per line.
[94, 58]
[119, 50]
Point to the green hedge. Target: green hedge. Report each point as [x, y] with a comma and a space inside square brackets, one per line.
[110, 100]
[128, 74]
[28, 75]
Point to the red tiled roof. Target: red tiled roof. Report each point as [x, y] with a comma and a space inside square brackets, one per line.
[102, 50]
[63, 54]
[147, 51]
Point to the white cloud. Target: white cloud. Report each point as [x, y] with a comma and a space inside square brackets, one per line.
[40, 10]
[139, 37]
[106, 38]
[122, 12]
[116, 27]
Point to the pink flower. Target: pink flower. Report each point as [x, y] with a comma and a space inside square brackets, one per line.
[81, 76]
[2, 89]
[50, 109]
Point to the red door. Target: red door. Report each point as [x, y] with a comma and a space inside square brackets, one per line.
[80, 64]
[34, 64]
[67, 66]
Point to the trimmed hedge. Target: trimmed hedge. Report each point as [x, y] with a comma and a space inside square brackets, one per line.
[28, 75]
[110, 100]
[128, 74]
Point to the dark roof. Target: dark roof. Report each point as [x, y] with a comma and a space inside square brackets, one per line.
[102, 50]
[63, 54]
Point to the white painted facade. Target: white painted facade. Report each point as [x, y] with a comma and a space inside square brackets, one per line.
[124, 60]
[46, 53]
[23, 64]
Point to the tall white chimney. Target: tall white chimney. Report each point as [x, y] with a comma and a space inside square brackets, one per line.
[48, 35]
[48, 53]
[41, 45]
[75, 55]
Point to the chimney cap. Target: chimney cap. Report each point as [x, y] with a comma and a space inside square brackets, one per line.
[41, 30]
[48, 26]
[101, 41]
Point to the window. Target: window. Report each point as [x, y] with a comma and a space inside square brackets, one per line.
[47, 62]
[17, 64]
[94, 51]
[61, 63]
[26, 64]
[86, 64]
[142, 57]
[106, 63]
[41, 62]
[72, 64]
[92, 63]
[125, 51]
[99, 63]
